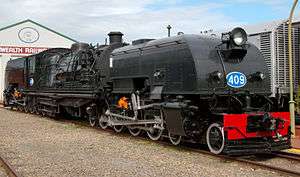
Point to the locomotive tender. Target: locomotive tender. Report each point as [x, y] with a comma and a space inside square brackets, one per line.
[187, 87]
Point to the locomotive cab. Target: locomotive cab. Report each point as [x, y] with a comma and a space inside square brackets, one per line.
[14, 83]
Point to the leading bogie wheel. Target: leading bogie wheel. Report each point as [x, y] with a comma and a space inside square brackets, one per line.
[36, 110]
[43, 113]
[175, 139]
[26, 109]
[31, 110]
[21, 108]
[215, 138]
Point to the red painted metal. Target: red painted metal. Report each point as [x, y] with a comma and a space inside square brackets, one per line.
[21, 50]
[236, 126]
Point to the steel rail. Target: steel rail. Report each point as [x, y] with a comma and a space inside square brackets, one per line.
[268, 167]
[249, 162]
[11, 172]
[286, 155]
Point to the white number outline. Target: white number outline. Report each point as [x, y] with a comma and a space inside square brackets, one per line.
[236, 79]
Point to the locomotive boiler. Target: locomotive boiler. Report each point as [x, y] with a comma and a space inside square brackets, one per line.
[192, 88]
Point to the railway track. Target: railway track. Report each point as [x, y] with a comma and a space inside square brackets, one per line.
[10, 171]
[253, 163]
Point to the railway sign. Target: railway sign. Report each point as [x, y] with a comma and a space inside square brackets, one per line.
[29, 35]
[236, 79]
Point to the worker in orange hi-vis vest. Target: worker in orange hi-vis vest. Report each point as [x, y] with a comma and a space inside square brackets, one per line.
[123, 103]
[17, 94]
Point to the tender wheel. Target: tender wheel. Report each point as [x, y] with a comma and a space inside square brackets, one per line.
[92, 121]
[215, 138]
[118, 128]
[31, 110]
[5, 102]
[134, 131]
[21, 108]
[175, 139]
[43, 113]
[36, 111]
[26, 109]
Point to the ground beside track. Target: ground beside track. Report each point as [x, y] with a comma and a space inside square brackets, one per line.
[36, 146]
[2, 172]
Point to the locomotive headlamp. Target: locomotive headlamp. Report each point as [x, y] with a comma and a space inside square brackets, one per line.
[261, 76]
[239, 36]
[215, 76]
[258, 76]
[235, 48]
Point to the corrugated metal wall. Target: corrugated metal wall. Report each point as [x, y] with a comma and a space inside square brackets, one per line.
[274, 47]
[265, 48]
[281, 59]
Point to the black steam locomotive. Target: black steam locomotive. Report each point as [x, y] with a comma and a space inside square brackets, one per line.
[187, 87]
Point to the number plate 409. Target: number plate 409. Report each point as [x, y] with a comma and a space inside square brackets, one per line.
[236, 79]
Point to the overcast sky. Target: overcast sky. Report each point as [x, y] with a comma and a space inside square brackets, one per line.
[91, 20]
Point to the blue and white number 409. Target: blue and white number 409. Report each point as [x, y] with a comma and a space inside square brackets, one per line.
[236, 79]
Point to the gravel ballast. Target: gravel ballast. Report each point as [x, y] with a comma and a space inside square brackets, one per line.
[2, 172]
[37, 146]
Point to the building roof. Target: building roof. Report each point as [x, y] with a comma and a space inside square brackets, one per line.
[263, 27]
[28, 20]
[268, 26]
